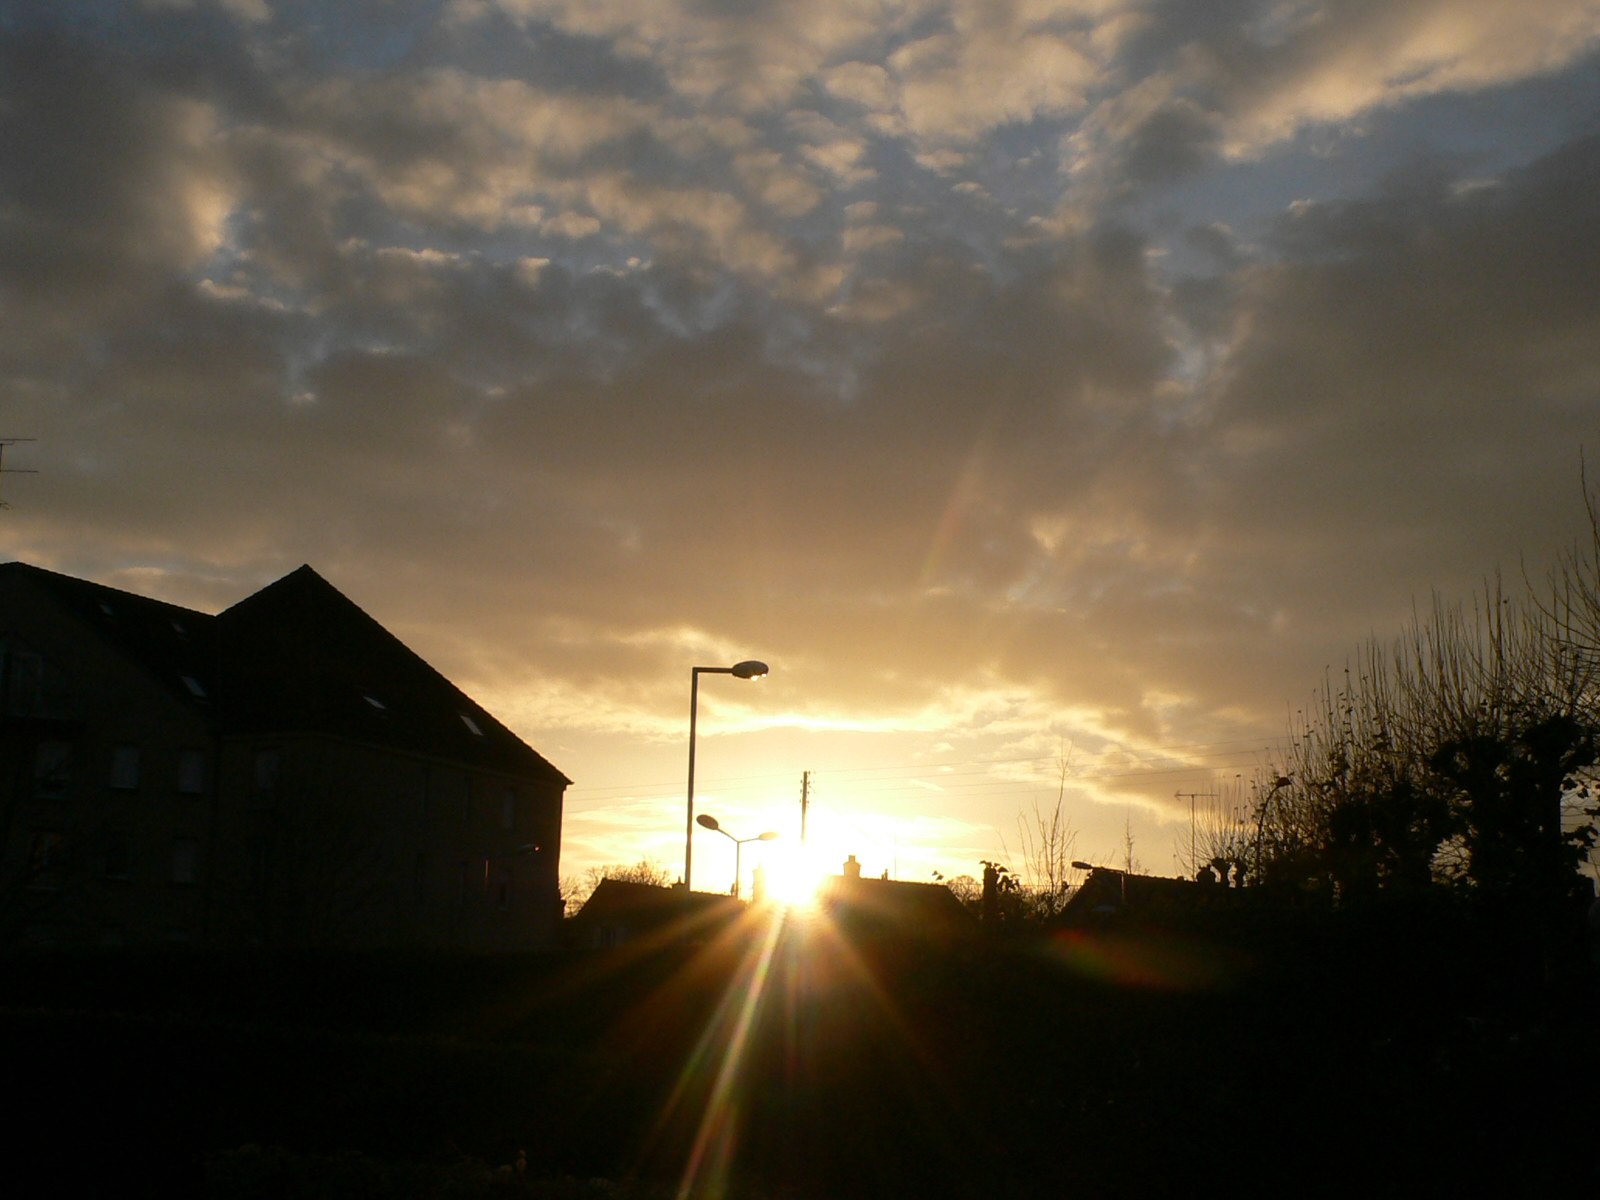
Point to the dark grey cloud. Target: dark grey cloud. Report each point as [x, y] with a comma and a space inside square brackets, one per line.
[103, 175]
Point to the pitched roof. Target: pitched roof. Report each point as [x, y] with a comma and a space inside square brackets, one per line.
[894, 905]
[297, 657]
[1108, 891]
[169, 642]
[648, 907]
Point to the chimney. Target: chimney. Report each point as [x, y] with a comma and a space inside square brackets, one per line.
[758, 886]
[852, 869]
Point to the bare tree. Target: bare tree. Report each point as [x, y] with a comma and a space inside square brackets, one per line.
[1456, 753]
[1130, 864]
[1048, 845]
[576, 891]
[965, 889]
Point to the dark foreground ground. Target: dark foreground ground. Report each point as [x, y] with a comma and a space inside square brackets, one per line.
[1382, 1053]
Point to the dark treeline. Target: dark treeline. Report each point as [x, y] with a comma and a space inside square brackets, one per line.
[1458, 755]
[1390, 1051]
[1458, 759]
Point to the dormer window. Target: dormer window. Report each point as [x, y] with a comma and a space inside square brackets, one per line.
[125, 768]
[471, 725]
[193, 684]
[375, 702]
[177, 628]
[107, 609]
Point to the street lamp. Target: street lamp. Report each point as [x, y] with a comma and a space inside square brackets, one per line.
[1279, 784]
[706, 821]
[749, 669]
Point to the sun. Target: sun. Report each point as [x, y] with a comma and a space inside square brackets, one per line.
[793, 882]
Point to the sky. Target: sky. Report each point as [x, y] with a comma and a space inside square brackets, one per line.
[1051, 392]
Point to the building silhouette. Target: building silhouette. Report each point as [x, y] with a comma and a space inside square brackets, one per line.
[284, 773]
[1111, 896]
[891, 909]
[620, 912]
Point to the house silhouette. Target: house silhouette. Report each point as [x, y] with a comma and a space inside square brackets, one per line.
[284, 773]
[620, 912]
[892, 909]
[1112, 896]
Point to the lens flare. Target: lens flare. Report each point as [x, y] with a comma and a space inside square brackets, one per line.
[1148, 961]
[793, 883]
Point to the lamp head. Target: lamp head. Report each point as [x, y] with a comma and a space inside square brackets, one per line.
[750, 669]
[768, 836]
[1082, 866]
[706, 821]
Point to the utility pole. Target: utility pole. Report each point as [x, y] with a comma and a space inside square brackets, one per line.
[805, 802]
[5, 470]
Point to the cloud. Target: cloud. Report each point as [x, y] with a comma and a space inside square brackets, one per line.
[866, 84]
[750, 58]
[108, 185]
[1335, 61]
[984, 73]
[861, 238]
[777, 184]
[1418, 343]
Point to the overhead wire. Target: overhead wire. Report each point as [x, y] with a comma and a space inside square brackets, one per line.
[1172, 749]
[978, 775]
[1164, 750]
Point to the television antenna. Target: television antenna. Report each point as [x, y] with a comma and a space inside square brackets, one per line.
[1193, 796]
[5, 470]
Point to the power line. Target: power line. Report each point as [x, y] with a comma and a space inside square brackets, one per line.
[956, 786]
[5, 470]
[848, 773]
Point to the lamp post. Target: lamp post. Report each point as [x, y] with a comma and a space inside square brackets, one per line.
[749, 669]
[705, 821]
[1278, 785]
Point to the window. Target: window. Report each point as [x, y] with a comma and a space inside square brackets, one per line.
[508, 810]
[119, 856]
[269, 765]
[466, 875]
[46, 859]
[52, 768]
[125, 768]
[25, 671]
[503, 892]
[375, 702]
[466, 799]
[472, 726]
[191, 772]
[193, 684]
[185, 860]
[257, 868]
